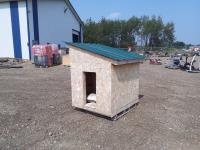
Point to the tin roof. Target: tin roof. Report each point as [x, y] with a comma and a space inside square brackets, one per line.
[108, 52]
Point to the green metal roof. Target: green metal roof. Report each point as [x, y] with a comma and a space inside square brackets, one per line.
[108, 52]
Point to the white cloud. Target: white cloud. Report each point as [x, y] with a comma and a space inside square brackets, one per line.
[114, 15]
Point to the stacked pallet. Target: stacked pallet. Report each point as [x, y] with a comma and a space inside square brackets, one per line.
[46, 55]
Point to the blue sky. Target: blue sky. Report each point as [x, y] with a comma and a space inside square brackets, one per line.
[184, 13]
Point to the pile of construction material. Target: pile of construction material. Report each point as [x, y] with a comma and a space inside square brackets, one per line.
[177, 62]
[8, 63]
[173, 63]
[155, 62]
[46, 55]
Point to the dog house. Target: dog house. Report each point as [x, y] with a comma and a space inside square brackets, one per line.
[104, 80]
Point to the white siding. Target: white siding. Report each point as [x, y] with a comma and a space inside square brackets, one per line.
[23, 29]
[55, 26]
[6, 39]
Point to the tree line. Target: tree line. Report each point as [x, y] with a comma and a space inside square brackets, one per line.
[142, 31]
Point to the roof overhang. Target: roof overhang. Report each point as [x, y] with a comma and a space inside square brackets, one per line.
[127, 62]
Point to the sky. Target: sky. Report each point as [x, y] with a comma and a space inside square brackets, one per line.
[185, 14]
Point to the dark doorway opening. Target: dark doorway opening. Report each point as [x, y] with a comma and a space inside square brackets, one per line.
[75, 38]
[90, 82]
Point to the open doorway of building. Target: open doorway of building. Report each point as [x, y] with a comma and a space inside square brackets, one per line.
[90, 87]
[76, 36]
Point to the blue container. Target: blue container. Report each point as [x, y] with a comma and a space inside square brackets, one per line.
[56, 59]
[41, 61]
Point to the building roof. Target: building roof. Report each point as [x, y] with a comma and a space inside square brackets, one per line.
[115, 54]
[68, 3]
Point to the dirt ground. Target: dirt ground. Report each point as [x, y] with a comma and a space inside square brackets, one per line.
[36, 113]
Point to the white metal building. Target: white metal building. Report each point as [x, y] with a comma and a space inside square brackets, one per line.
[24, 22]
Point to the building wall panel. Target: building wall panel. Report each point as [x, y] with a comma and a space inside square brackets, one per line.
[56, 22]
[13, 30]
[6, 38]
[16, 33]
[23, 29]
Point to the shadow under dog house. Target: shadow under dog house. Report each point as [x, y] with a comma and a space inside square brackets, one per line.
[104, 80]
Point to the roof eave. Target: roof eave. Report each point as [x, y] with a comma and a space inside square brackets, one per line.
[74, 12]
[68, 4]
[123, 62]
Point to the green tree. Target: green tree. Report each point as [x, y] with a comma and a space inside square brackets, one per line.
[144, 31]
[168, 34]
[179, 44]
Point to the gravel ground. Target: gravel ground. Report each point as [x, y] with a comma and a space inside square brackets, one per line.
[36, 113]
